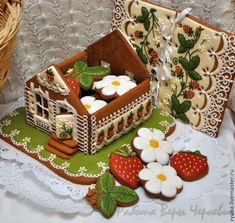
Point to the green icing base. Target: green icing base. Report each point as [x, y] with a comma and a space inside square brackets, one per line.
[80, 164]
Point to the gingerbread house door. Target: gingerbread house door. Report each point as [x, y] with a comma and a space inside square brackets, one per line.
[65, 126]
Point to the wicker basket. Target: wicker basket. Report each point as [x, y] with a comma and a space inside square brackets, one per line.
[10, 15]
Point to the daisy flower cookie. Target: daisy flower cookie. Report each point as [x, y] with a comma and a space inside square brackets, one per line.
[92, 104]
[114, 86]
[150, 144]
[160, 181]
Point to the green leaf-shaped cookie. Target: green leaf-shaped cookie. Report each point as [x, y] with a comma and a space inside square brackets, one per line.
[85, 81]
[96, 71]
[107, 205]
[106, 182]
[124, 195]
[80, 66]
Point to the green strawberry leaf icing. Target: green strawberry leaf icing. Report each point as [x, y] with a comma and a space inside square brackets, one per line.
[124, 194]
[96, 71]
[80, 66]
[85, 75]
[110, 196]
[85, 81]
[106, 182]
[107, 205]
[125, 151]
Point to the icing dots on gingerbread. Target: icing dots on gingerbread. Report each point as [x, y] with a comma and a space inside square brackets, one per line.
[161, 181]
[114, 86]
[151, 146]
[92, 104]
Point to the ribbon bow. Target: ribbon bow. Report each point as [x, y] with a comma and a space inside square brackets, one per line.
[163, 70]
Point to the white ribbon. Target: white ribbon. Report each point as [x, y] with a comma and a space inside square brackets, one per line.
[163, 72]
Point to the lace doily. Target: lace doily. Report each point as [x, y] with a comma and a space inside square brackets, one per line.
[33, 181]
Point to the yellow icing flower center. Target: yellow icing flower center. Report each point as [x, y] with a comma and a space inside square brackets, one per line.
[162, 177]
[87, 106]
[154, 143]
[116, 83]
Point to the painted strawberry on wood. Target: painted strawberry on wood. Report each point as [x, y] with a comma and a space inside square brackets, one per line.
[73, 84]
[189, 165]
[125, 166]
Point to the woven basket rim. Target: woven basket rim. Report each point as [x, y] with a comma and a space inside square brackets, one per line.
[10, 14]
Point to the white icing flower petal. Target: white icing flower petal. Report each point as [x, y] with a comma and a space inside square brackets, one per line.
[123, 78]
[169, 171]
[162, 157]
[109, 78]
[146, 174]
[167, 189]
[145, 133]
[109, 90]
[176, 181]
[87, 100]
[159, 135]
[166, 146]
[148, 155]
[156, 167]
[97, 105]
[129, 84]
[122, 90]
[153, 186]
[101, 84]
[140, 143]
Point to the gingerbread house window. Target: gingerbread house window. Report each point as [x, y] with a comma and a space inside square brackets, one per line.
[42, 106]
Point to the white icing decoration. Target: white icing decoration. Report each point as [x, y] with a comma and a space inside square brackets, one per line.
[57, 85]
[112, 85]
[92, 104]
[64, 126]
[152, 145]
[161, 179]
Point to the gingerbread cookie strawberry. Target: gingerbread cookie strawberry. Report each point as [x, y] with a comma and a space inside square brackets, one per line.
[106, 196]
[150, 144]
[160, 181]
[125, 166]
[189, 165]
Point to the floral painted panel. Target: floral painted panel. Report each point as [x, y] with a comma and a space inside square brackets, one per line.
[193, 62]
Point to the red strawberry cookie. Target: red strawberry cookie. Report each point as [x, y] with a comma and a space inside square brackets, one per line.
[189, 165]
[160, 181]
[125, 166]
